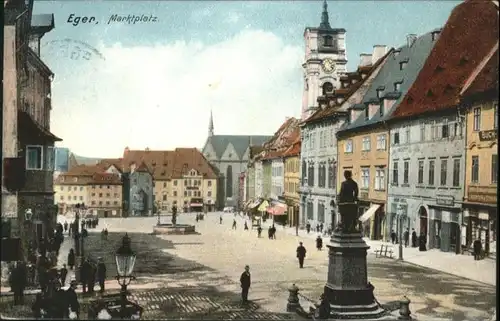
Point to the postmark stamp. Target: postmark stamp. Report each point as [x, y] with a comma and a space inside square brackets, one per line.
[73, 49]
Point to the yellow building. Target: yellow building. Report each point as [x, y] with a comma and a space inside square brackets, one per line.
[480, 98]
[105, 195]
[365, 152]
[73, 187]
[292, 180]
[182, 178]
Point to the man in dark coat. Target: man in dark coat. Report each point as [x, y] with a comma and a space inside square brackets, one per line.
[413, 238]
[245, 281]
[477, 249]
[308, 228]
[63, 273]
[101, 274]
[422, 240]
[92, 277]
[393, 237]
[319, 243]
[234, 224]
[259, 231]
[71, 259]
[72, 298]
[85, 272]
[18, 282]
[406, 237]
[273, 232]
[301, 254]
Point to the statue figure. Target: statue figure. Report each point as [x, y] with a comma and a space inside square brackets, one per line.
[348, 207]
[174, 215]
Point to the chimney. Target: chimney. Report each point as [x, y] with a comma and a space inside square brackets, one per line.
[410, 39]
[378, 52]
[365, 59]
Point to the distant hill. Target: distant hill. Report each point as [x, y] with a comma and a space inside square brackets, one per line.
[81, 160]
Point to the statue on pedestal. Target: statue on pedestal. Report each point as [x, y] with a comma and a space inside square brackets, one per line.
[174, 215]
[348, 207]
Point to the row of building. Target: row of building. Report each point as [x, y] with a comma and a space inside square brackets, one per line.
[416, 125]
[140, 183]
[28, 212]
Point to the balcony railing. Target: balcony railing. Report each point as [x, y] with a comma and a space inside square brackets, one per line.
[482, 194]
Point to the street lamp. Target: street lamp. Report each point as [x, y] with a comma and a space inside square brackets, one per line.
[401, 216]
[125, 261]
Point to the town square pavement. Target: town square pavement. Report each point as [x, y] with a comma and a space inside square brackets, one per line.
[221, 254]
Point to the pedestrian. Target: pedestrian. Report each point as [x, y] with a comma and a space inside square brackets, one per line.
[319, 243]
[18, 282]
[63, 273]
[422, 242]
[101, 274]
[71, 259]
[245, 281]
[273, 232]
[270, 232]
[393, 237]
[406, 237]
[246, 226]
[85, 271]
[301, 254]
[413, 238]
[220, 219]
[308, 228]
[234, 225]
[259, 231]
[477, 247]
[105, 233]
[58, 302]
[197, 218]
[72, 298]
[92, 277]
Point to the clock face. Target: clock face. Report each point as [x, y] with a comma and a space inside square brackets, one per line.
[328, 65]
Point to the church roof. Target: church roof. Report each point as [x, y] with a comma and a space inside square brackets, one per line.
[239, 142]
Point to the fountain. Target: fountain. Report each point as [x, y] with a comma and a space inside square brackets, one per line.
[173, 228]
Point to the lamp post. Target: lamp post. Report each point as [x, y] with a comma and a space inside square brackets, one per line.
[401, 216]
[332, 206]
[158, 212]
[125, 261]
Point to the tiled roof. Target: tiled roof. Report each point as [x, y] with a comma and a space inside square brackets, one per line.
[165, 165]
[239, 142]
[414, 56]
[485, 77]
[293, 150]
[105, 179]
[469, 34]
[346, 93]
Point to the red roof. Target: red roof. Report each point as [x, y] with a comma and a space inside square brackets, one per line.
[468, 36]
[485, 77]
[293, 150]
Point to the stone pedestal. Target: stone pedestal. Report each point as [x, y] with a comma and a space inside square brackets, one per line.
[347, 290]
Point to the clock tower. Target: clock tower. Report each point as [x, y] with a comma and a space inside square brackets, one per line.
[325, 61]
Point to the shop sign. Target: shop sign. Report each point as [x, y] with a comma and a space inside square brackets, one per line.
[486, 135]
[445, 200]
[482, 194]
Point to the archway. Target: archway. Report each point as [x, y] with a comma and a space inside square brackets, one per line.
[424, 217]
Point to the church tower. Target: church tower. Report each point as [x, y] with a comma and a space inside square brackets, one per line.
[325, 61]
[211, 125]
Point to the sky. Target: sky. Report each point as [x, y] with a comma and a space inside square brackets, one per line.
[152, 84]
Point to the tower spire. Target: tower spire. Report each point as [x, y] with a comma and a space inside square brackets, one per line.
[211, 125]
[325, 24]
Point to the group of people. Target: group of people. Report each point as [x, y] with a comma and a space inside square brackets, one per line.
[58, 304]
[419, 241]
[90, 272]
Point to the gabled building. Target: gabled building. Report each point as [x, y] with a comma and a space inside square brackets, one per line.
[427, 145]
[319, 155]
[229, 154]
[480, 105]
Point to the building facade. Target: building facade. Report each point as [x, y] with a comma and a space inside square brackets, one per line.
[267, 178]
[428, 195]
[104, 194]
[259, 177]
[230, 155]
[241, 190]
[480, 104]
[138, 194]
[277, 178]
[292, 182]
[325, 61]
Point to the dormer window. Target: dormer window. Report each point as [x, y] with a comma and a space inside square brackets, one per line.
[448, 88]
[396, 53]
[463, 61]
[430, 93]
[402, 65]
[367, 114]
[381, 110]
[439, 69]
[327, 41]
[397, 86]
[380, 92]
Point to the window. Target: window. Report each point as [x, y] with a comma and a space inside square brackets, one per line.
[74, 198]
[367, 114]
[348, 146]
[81, 198]
[310, 175]
[108, 194]
[380, 179]
[327, 41]
[164, 184]
[81, 188]
[209, 183]
[34, 158]
[304, 173]
[494, 168]
[381, 142]
[189, 193]
[229, 181]
[185, 193]
[175, 193]
[209, 194]
[51, 158]
[402, 65]
[396, 138]
[406, 171]
[397, 86]
[93, 202]
[422, 132]
[93, 194]
[332, 171]
[475, 169]
[431, 172]
[420, 172]
[407, 134]
[61, 198]
[381, 110]
[175, 182]
[495, 116]
[379, 93]
[445, 129]
[395, 173]
[456, 172]
[366, 143]
[444, 171]
[322, 175]
[365, 177]
[477, 119]
[100, 194]
[115, 202]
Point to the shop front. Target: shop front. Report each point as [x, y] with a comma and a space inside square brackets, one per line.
[196, 205]
[277, 210]
[444, 228]
[479, 223]
[209, 205]
[373, 220]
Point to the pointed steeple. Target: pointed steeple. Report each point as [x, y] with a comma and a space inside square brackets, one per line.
[211, 125]
[325, 24]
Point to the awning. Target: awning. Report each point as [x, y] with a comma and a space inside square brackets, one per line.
[369, 213]
[254, 204]
[277, 210]
[196, 205]
[263, 206]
